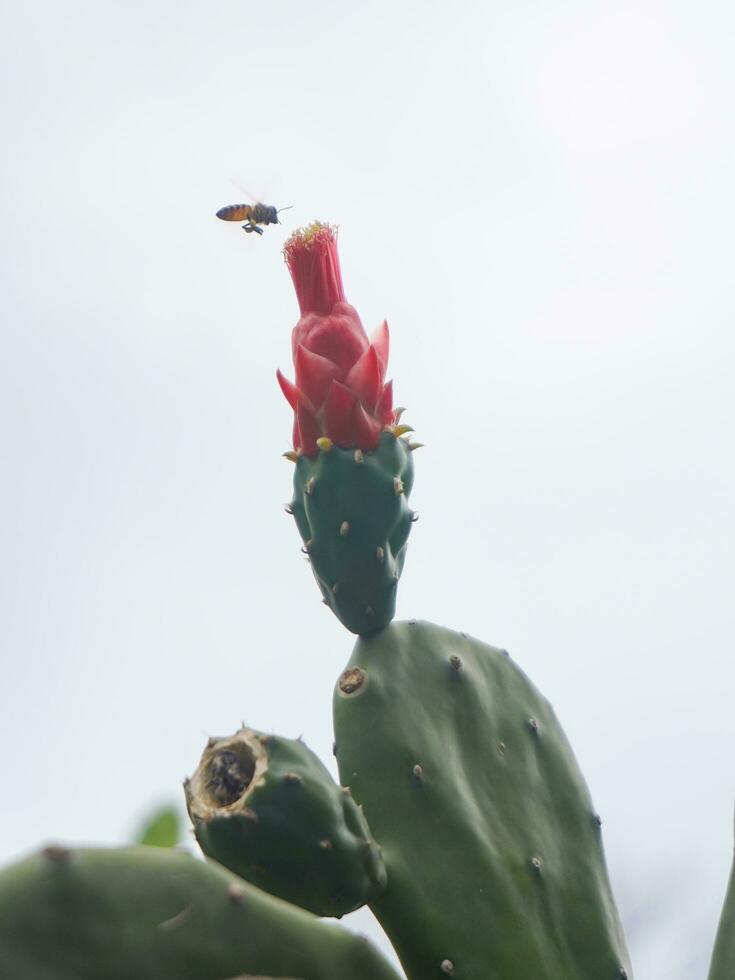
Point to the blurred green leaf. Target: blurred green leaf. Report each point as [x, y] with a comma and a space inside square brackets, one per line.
[163, 829]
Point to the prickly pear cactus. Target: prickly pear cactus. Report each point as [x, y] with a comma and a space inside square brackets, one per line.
[351, 509]
[157, 914]
[722, 966]
[492, 846]
[266, 808]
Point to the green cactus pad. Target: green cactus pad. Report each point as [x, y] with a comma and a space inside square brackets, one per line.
[722, 966]
[351, 509]
[157, 914]
[493, 850]
[267, 809]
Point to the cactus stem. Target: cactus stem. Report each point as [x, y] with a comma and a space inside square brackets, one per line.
[359, 456]
[398, 484]
[324, 443]
[380, 553]
[344, 528]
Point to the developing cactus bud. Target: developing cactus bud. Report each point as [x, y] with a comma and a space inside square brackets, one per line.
[354, 468]
[340, 390]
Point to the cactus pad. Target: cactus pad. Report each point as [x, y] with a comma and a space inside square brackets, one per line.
[157, 914]
[492, 847]
[351, 509]
[266, 808]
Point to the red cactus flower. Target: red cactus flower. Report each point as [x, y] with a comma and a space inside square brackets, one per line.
[340, 390]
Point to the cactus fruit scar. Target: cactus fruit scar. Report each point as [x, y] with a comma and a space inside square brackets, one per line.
[266, 808]
[158, 914]
[722, 966]
[493, 851]
[354, 468]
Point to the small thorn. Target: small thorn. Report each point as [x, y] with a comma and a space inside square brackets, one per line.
[380, 553]
[325, 602]
[533, 725]
[418, 772]
[250, 815]
[288, 508]
[369, 611]
[306, 547]
[398, 484]
[292, 455]
[309, 485]
[401, 430]
[334, 749]
[537, 864]
[344, 528]
[414, 516]
[500, 748]
[456, 662]
[325, 845]
[398, 412]
[346, 790]
[447, 967]
[413, 446]
[324, 443]
[56, 853]
[335, 588]
[293, 779]
[359, 456]
[235, 893]
[412, 622]
[598, 819]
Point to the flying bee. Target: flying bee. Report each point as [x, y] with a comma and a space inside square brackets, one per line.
[252, 214]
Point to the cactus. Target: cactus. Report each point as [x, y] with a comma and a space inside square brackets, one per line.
[157, 914]
[353, 470]
[493, 851]
[351, 509]
[722, 966]
[266, 808]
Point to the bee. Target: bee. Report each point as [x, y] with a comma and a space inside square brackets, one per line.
[252, 214]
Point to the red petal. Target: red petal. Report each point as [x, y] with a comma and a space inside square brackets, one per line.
[384, 411]
[338, 414]
[294, 397]
[296, 434]
[367, 429]
[364, 378]
[308, 430]
[314, 374]
[340, 337]
[381, 342]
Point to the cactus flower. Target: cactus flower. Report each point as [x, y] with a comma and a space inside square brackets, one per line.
[340, 390]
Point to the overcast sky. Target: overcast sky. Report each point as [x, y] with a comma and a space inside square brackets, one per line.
[539, 198]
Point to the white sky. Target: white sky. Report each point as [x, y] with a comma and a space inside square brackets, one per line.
[539, 197]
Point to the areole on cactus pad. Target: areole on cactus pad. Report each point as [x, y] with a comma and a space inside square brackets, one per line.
[353, 459]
